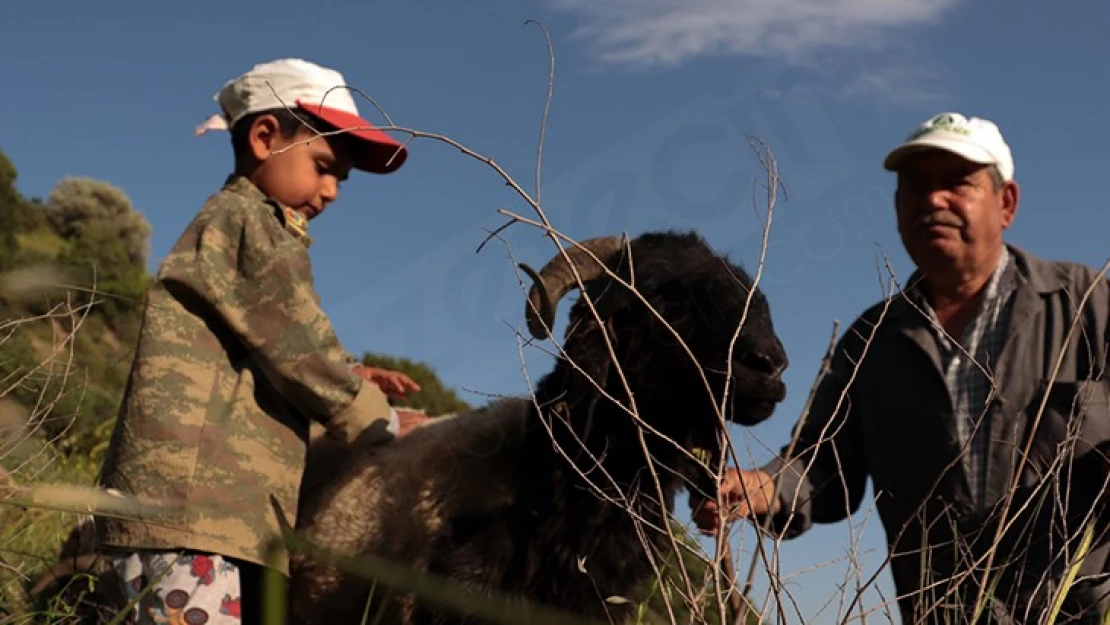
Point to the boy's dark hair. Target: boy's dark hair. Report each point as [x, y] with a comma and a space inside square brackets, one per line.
[289, 122]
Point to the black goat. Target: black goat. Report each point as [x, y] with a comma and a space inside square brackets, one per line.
[497, 499]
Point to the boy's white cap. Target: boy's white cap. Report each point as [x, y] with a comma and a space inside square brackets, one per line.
[976, 139]
[320, 91]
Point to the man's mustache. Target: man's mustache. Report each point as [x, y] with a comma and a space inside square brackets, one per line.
[939, 218]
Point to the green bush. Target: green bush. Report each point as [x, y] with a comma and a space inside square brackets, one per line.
[77, 205]
[104, 263]
[434, 398]
[9, 205]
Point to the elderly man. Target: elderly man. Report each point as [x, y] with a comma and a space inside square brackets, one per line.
[974, 399]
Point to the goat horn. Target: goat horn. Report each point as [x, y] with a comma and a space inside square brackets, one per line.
[556, 279]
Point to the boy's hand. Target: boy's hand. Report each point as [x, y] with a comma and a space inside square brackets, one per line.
[409, 420]
[394, 384]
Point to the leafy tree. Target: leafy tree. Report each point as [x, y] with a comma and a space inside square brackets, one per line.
[8, 175]
[17, 213]
[9, 207]
[77, 205]
[106, 240]
[32, 214]
[434, 398]
[108, 266]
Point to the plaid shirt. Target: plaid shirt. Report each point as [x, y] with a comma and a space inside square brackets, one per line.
[970, 382]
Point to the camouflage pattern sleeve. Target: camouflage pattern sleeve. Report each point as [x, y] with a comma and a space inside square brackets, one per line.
[257, 282]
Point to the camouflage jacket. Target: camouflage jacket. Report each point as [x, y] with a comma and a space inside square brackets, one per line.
[235, 359]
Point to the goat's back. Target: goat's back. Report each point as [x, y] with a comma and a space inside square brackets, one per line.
[405, 500]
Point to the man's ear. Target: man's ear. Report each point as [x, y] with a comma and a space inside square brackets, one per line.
[1011, 196]
[263, 136]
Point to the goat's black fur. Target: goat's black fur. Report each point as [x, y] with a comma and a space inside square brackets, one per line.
[487, 499]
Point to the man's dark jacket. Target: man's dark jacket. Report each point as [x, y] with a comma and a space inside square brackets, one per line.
[890, 419]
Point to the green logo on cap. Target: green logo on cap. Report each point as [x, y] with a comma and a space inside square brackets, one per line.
[945, 122]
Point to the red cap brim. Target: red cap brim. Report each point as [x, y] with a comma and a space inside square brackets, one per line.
[382, 154]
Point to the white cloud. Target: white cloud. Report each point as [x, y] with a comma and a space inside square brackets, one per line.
[907, 85]
[647, 33]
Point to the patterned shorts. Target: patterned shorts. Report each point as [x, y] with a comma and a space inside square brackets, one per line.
[186, 588]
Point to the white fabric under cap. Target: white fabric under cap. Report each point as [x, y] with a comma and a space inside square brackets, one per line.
[974, 138]
[277, 84]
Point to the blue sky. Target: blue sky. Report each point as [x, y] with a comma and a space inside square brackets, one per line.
[653, 100]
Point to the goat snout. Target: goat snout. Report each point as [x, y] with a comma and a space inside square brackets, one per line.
[764, 363]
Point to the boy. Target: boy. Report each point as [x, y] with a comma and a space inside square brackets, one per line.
[235, 356]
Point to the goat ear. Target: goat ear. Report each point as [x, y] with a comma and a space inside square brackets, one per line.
[588, 349]
[608, 298]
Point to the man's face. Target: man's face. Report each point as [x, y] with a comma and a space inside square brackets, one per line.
[303, 172]
[951, 212]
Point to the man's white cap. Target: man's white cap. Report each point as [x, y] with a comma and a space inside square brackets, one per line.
[305, 86]
[975, 139]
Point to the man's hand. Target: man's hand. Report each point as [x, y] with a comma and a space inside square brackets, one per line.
[743, 493]
[394, 384]
[409, 420]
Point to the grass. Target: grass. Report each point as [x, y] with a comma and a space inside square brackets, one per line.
[32, 535]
